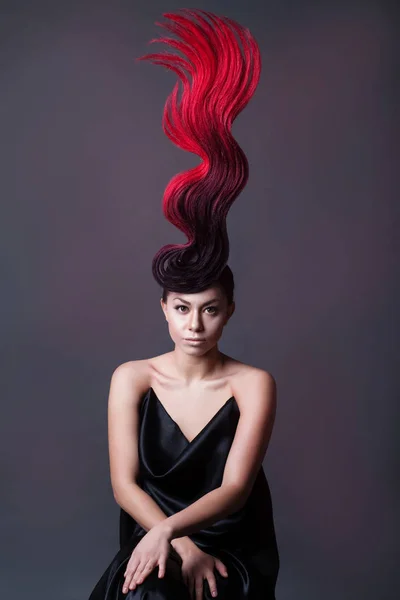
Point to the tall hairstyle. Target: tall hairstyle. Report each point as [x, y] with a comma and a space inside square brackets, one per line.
[223, 79]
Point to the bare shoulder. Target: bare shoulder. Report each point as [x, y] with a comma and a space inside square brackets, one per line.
[252, 385]
[242, 374]
[139, 374]
[130, 380]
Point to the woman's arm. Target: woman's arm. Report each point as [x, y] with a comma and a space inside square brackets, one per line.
[147, 513]
[243, 463]
[126, 388]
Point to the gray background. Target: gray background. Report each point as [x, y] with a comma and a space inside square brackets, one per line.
[84, 163]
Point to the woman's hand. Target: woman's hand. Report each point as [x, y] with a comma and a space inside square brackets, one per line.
[197, 566]
[152, 550]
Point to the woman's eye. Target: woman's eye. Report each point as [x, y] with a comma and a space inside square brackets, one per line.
[213, 308]
[178, 307]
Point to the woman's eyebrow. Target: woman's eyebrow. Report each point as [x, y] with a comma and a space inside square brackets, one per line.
[205, 303]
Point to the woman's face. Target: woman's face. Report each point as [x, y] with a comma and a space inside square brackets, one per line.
[202, 316]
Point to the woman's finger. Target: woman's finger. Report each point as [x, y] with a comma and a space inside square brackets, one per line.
[141, 571]
[199, 588]
[190, 581]
[131, 581]
[129, 573]
[127, 583]
[162, 564]
[133, 565]
[212, 583]
[221, 567]
[129, 565]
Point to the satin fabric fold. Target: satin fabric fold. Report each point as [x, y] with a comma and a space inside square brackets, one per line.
[176, 472]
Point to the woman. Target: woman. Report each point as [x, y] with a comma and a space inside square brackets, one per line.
[189, 429]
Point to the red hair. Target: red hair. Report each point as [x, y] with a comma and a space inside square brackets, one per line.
[224, 77]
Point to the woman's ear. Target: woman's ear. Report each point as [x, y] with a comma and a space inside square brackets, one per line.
[164, 308]
[231, 310]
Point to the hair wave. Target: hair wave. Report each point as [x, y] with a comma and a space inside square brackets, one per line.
[224, 76]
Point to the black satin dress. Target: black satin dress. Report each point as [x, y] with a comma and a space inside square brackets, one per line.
[176, 473]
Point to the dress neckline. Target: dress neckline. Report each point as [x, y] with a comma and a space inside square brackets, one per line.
[206, 426]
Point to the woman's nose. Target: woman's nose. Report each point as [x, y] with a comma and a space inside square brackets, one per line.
[195, 322]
